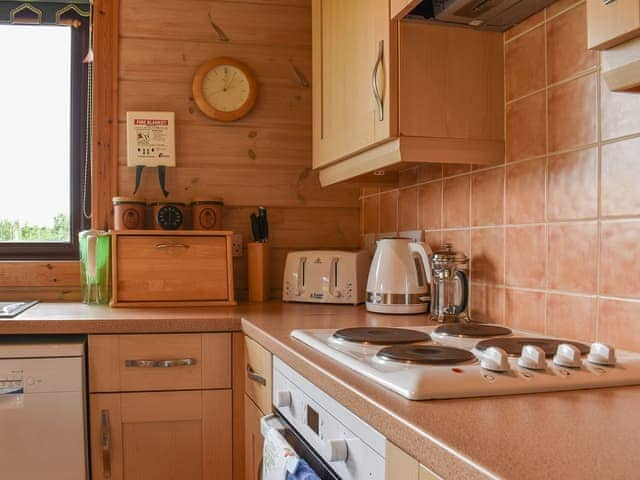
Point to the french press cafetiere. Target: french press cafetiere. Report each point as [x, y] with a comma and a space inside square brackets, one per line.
[449, 285]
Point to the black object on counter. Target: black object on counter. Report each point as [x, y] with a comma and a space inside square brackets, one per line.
[260, 225]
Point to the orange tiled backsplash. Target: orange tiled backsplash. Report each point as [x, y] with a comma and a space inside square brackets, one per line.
[553, 233]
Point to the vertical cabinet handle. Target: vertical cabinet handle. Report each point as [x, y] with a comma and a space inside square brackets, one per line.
[374, 81]
[106, 443]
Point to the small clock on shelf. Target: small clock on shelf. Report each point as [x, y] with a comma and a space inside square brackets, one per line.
[224, 89]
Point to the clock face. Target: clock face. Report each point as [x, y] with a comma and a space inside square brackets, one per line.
[224, 89]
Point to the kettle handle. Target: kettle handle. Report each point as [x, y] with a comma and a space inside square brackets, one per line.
[423, 250]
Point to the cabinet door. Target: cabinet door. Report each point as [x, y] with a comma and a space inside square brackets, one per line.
[347, 42]
[161, 435]
[252, 440]
[611, 23]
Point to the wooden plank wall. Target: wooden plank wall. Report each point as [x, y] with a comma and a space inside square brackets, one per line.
[262, 159]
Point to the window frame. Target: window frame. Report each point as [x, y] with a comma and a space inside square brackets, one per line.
[77, 135]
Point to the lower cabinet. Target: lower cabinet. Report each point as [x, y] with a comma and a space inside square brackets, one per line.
[174, 435]
[252, 440]
[401, 465]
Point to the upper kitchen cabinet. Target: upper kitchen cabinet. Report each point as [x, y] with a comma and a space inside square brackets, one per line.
[389, 92]
[351, 53]
[611, 22]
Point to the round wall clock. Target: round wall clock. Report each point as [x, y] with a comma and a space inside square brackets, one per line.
[224, 89]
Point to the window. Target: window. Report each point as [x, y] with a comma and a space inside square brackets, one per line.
[43, 118]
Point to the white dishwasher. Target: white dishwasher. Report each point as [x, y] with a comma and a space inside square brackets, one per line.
[42, 408]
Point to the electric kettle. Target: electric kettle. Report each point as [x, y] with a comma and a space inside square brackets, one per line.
[399, 277]
[449, 286]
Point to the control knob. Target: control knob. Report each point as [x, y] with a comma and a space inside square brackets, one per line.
[533, 358]
[602, 354]
[495, 359]
[567, 355]
[283, 399]
[336, 450]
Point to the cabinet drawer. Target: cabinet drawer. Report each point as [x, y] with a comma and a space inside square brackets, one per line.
[152, 268]
[257, 370]
[159, 362]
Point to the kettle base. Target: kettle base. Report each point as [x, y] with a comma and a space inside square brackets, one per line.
[407, 309]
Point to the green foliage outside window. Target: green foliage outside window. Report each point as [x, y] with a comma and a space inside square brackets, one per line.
[13, 231]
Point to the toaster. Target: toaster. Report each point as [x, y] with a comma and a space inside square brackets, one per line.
[326, 276]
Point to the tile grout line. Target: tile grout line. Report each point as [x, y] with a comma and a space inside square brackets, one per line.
[598, 192]
[545, 299]
[533, 27]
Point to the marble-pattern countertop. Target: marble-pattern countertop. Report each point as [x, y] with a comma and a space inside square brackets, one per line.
[567, 435]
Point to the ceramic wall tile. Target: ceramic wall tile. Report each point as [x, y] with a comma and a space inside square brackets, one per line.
[572, 113]
[620, 188]
[620, 258]
[456, 202]
[525, 309]
[525, 200]
[487, 303]
[408, 209]
[487, 255]
[620, 112]
[573, 185]
[527, 127]
[619, 323]
[487, 197]
[389, 212]
[571, 316]
[573, 257]
[567, 52]
[370, 207]
[525, 256]
[524, 64]
[430, 205]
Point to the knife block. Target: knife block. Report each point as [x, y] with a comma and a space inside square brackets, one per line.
[259, 255]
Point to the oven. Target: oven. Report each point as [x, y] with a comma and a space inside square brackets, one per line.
[333, 441]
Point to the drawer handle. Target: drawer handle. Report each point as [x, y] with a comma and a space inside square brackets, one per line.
[255, 377]
[608, 2]
[171, 245]
[106, 443]
[182, 362]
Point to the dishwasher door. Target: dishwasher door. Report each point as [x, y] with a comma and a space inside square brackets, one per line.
[42, 419]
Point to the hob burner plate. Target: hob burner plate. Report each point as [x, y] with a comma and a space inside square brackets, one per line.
[513, 345]
[471, 330]
[381, 335]
[425, 354]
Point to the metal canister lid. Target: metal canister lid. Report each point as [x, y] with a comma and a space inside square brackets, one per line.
[448, 256]
[125, 200]
[207, 201]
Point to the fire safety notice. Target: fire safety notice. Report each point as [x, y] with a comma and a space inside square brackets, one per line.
[151, 139]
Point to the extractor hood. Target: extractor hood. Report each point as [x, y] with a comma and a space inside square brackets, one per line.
[498, 15]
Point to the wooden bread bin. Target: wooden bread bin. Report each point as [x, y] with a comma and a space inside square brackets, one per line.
[172, 268]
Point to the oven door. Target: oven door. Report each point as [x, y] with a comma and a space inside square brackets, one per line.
[295, 442]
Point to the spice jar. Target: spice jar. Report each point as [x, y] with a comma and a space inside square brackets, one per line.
[207, 213]
[128, 213]
[168, 215]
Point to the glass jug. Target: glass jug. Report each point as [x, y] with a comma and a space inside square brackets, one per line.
[95, 266]
[449, 286]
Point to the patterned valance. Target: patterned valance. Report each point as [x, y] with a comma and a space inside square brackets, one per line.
[46, 12]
